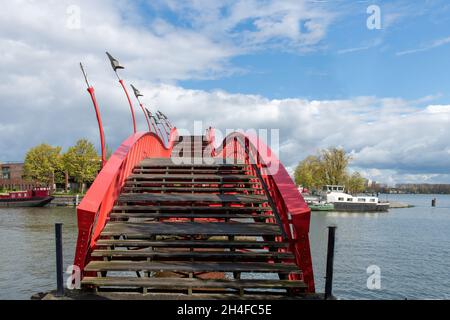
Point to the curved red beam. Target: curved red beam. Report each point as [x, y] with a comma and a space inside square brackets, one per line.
[292, 208]
[100, 125]
[93, 211]
[146, 117]
[130, 103]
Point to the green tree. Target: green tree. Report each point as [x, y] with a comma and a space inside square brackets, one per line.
[329, 166]
[82, 162]
[309, 173]
[334, 164]
[355, 183]
[43, 164]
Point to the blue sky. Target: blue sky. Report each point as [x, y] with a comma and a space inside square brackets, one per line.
[334, 71]
[310, 68]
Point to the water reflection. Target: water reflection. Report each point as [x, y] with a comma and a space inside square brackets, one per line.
[411, 246]
[28, 249]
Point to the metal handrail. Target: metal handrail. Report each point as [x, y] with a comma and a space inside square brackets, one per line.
[293, 211]
[94, 209]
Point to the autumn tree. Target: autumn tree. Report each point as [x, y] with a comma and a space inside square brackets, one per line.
[82, 162]
[328, 167]
[355, 183]
[309, 173]
[334, 165]
[43, 164]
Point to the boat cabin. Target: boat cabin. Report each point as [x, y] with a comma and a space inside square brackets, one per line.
[29, 194]
[336, 193]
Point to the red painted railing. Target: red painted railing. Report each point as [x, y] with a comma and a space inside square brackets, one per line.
[93, 211]
[293, 212]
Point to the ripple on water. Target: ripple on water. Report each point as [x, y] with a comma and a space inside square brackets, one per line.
[411, 246]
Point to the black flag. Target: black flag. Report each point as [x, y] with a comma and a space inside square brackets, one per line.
[163, 115]
[149, 113]
[136, 92]
[114, 62]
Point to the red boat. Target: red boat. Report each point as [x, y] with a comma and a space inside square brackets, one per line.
[37, 197]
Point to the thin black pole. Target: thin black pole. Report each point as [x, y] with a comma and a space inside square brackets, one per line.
[59, 260]
[330, 262]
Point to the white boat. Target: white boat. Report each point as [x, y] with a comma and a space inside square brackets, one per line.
[342, 201]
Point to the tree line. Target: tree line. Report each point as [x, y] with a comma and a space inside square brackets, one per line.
[328, 167]
[422, 188]
[46, 165]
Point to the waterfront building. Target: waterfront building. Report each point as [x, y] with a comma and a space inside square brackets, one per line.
[11, 177]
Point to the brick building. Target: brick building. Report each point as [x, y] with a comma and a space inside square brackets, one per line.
[11, 177]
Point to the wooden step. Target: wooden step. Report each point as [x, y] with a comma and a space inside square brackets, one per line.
[184, 283]
[190, 183]
[197, 198]
[159, 208]
[231, 177]
[187, 189]
[216, 171]
[188, 215]
[196, 296]
[185, 266]
[190, 228]
[192, 244]
[163, 162]
[224, 255]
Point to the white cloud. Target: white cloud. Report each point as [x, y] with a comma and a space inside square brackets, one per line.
[251, 24]
[402, 141]
[435, 44]
[43, 97]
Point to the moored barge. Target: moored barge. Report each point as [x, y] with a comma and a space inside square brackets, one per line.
[37, 197]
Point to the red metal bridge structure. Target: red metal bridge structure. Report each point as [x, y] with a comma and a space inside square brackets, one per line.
[154, 227]
[189, 217]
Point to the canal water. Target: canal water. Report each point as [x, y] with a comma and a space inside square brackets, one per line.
[409, 247]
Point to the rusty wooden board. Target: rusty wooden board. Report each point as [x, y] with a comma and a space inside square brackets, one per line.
[242, 256]
[184, 266]
[198, 197]
[192, 244]
[190, 228]
[150, 208]
[191, 283]
[193, 176]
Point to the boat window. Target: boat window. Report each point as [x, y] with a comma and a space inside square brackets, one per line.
[349, 199]
[372, 200]
[361, 199]
[340, 199]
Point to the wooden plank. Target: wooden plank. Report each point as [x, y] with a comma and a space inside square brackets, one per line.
[185, 266]
[251, 255]
[198, 197]
[168, 162]
[178, 283]
[215, 215]
[191, 170]
[230, 296]
[130, 208]
[192, 176]
[192, 244]
[187, 189]
[190, 228]
[196, 182]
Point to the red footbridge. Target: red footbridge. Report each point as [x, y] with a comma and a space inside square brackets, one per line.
[188, 217]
